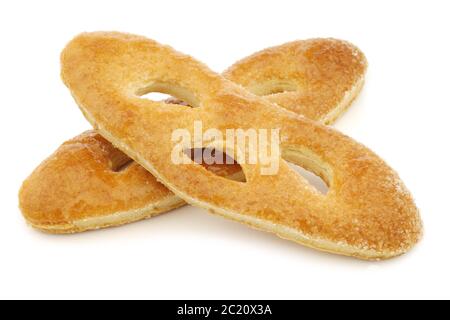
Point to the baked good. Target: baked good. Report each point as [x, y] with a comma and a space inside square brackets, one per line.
[368, 212]
[317, 78]
[88, 184]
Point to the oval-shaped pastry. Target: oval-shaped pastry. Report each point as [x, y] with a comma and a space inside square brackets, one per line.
[88, 184]
[368, 213]
[317, 78]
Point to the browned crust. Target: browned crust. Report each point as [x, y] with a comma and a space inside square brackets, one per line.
[318, 73]
[368, 212]
[77, 190]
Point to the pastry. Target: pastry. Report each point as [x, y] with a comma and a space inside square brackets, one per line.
[368, 213]
[88, 184]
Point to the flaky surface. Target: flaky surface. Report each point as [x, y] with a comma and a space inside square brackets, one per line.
[88, 184]
[80, 187]
[367, 213]
[79, 183]
[310, 77]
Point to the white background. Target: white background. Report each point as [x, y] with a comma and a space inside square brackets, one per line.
[402, 114]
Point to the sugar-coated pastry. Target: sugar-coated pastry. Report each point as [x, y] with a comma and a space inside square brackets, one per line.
[318, 78]
[368, 212]
[88, 184]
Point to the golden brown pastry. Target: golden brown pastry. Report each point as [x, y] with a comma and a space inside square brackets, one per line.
[88, 184]
[317, 78]
[368, 213]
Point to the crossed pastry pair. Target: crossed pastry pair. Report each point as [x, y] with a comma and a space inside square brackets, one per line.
[90, 182]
